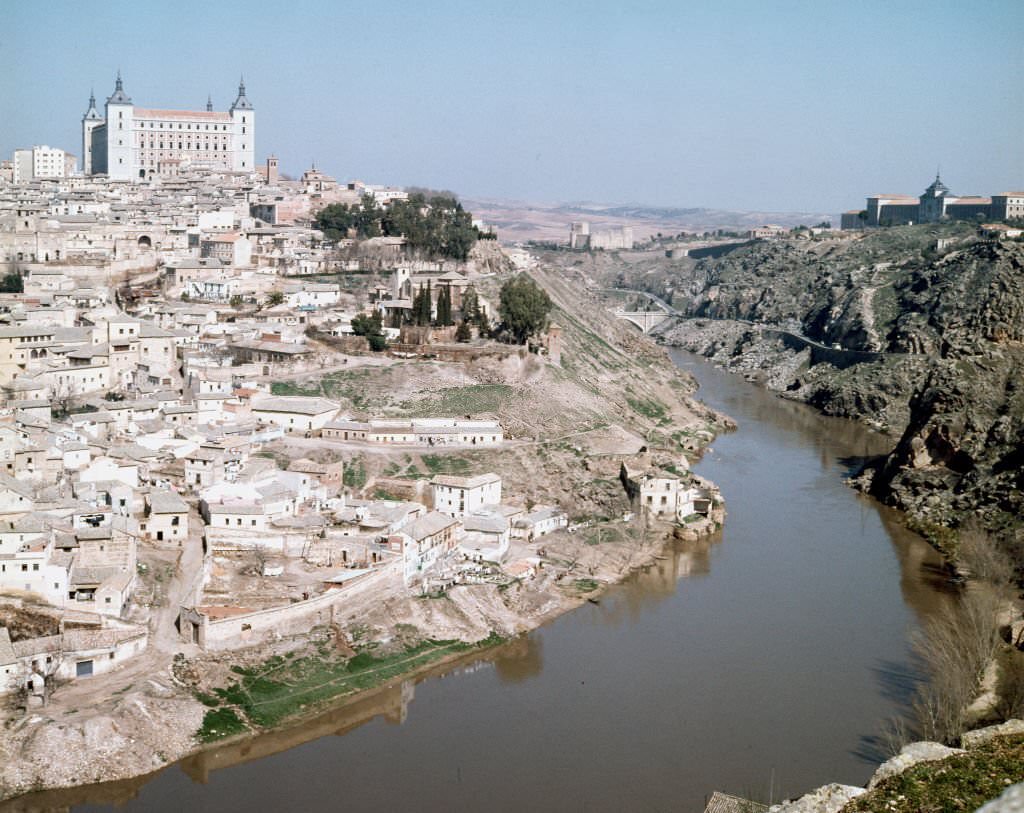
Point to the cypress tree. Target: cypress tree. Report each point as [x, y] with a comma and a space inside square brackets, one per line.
[444, 306]
[428, 301]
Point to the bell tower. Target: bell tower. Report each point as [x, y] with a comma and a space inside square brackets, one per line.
[120, 133]
[90, 121]
[243, 117]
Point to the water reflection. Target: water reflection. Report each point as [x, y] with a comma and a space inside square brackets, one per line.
[924, 577]
[520, 660]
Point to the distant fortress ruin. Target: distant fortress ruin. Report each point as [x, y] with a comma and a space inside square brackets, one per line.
[582, 239]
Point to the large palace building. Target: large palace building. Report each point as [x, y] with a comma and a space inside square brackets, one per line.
[132, 143]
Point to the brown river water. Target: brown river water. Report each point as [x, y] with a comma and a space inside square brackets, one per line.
[760, 662]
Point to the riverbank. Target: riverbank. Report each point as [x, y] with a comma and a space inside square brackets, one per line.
[916, 331]
[645, 699]
[206, 701]
[570, 424]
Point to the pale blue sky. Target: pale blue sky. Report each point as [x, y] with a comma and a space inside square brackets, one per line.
[756, 105]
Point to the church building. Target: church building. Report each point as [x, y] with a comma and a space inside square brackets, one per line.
[130, 143]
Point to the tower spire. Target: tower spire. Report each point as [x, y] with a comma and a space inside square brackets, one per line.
[241, 103]
[209, 103]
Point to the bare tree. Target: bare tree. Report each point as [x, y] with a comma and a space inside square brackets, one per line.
[62, 393]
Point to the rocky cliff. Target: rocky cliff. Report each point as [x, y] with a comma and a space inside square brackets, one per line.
[944, 335]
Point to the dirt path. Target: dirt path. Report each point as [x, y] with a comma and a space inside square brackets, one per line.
[153, 664]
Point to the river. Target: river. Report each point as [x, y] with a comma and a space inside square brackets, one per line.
[756, 663]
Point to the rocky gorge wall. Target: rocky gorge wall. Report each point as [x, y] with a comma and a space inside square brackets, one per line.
[940, 337]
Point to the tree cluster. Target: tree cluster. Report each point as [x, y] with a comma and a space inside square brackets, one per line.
[12, 283]
[444, 307]
[363, 325]
[372, 328]
[337, 220]
[422, 307]
[435, 225]
[524, 307]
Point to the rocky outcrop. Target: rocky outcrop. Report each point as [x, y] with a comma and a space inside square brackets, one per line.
[948, 384]
[834, 798]
[908, 757]
[827, 799]
[975, 738]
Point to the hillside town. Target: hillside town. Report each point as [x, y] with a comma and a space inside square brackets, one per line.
[164, 486]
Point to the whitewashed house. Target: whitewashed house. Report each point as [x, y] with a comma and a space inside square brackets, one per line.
[458, 496]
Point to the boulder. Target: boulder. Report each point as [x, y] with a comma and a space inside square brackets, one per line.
[972, 739]
[911, 755]
[826, 799]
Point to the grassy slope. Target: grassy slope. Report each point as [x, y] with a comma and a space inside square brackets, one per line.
[959, 783]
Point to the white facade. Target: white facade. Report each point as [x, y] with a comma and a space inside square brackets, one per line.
[295, 413]
[133, 143]
[28, 570]
[458, 496]
[39, 162]
[668, 497]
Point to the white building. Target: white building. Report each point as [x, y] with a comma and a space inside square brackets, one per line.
[542, 520]
[131, 143]
[295, 413]
[458, 496]
[29, 568]
[40, 162]
[166, 517]
[669, 497]
[423, 544]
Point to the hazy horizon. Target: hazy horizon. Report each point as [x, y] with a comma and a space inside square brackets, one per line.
[798, 107]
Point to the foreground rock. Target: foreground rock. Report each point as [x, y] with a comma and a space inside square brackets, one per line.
[930, 776]
[908, 757]
[827, 799]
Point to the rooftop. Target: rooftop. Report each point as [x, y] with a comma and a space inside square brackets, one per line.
[297, 404]
[454, 481]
